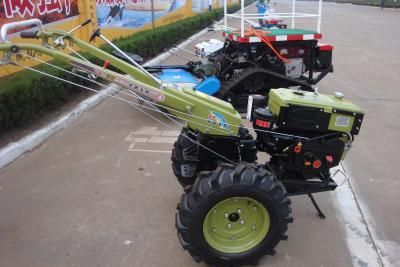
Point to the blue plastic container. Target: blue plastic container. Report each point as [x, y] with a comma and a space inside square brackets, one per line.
[261, 9]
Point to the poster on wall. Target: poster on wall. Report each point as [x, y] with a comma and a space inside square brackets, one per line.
[199, 5]
[204, 5]
[47, 11]
[133, 13]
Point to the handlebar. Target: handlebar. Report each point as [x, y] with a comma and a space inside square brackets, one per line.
[18, 24]
[31, 22]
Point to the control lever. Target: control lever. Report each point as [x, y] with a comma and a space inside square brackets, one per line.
[60, 40]
[86, 22]
[175, 54]
[187, 51]
[97, 33]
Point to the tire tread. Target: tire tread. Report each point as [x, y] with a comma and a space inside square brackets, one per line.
[221, 179]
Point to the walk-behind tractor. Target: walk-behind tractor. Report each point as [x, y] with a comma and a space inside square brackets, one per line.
[267, 55]
[233, 210]
[269, 58]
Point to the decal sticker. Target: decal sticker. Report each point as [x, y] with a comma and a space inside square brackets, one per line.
[121, 81]
[217, 119]
[342, 121]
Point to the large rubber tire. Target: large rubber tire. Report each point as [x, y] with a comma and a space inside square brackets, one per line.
[184, 155]
[251, 182]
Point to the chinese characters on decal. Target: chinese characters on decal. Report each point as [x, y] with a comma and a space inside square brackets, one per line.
[27, 8]
[112, 2]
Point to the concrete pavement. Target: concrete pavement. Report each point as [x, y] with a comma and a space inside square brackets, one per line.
[90, 196]
[367, 70]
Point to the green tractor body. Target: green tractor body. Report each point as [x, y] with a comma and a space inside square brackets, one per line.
[313, 111]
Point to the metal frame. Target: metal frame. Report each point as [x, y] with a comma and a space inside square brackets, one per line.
[18, 24]
[293, 15]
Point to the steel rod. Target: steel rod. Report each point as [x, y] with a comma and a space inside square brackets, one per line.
[293, 12]
[130, 59]
[319, 16]
[242, 18]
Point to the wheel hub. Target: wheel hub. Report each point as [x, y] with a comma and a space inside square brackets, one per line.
[236, 225]
[233, 217]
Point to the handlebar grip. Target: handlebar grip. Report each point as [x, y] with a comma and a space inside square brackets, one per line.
[95, 34]
[18, 24]
[86, 22]
[30, 34]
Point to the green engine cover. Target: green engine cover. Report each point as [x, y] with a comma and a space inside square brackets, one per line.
[318, 112]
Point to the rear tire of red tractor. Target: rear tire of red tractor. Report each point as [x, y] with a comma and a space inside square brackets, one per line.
[233, 215]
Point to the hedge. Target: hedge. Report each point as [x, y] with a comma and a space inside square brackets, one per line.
[26, 96]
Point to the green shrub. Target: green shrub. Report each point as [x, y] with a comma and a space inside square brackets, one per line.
[25, 96]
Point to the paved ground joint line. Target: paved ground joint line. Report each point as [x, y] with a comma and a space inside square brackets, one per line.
[379, 256]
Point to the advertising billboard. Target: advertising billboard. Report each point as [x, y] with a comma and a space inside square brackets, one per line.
[133, 13]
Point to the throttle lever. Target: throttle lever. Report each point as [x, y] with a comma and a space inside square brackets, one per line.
[95, 34]
[86, 22]
[60, 40]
